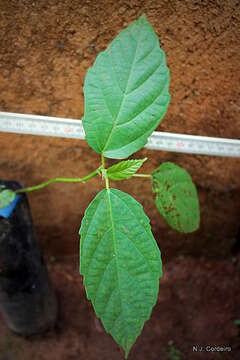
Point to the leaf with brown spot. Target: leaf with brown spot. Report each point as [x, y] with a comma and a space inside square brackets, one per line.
[176, 197]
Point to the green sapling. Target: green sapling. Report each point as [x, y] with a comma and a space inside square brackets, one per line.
[126, 96]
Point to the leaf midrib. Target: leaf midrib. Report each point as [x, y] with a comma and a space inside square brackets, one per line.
[114, 241]
[115, 250]
[124, 94]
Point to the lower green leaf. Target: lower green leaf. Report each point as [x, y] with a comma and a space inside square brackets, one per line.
[121, 264]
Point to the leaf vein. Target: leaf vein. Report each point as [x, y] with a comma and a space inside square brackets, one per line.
[123, 98]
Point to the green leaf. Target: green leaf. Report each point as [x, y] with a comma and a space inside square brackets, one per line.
[124, 169]
[121, 264]
[6, 197]
[176, 197]
[126, 92]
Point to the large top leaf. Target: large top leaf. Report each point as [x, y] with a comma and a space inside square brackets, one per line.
[176, 197]
[121, 264]
[126, 92]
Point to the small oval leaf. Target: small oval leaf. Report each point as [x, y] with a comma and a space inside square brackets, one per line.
[121, 264]
[126, 92]
[6, 197]
[124, 169]
[176, 197]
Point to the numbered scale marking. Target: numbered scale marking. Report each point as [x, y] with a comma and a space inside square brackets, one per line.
[194, 144]
[41, 125]
[70, 128]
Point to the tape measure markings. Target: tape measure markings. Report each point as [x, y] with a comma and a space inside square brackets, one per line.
[194, 144]
[71, 128]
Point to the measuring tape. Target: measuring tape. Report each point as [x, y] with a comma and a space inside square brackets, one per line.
[70, 128]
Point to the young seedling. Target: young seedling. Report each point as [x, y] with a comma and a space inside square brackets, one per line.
[126, 97]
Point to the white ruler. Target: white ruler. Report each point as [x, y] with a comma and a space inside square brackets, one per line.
[70, 128]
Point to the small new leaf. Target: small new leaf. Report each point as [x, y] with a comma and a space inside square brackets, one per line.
[176, 197]
[124, 169]
[6, 197]
[121, 264]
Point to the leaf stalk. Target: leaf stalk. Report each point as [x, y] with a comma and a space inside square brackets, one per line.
[58, 179]
[142, 175]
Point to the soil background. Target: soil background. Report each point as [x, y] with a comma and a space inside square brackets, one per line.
[46, 48]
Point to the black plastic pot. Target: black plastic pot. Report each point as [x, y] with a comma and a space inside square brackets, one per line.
[27, 300]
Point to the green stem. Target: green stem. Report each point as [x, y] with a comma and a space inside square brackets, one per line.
[72, 180]
[104, 172]
[143, 175]
[102, 159]
[106, 181]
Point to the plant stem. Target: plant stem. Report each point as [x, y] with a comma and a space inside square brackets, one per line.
[104, 172]
[143, 175]
[73, 180]
[102, 159]
[106, 181]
